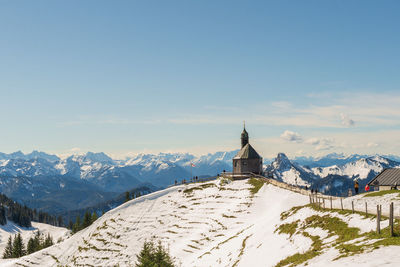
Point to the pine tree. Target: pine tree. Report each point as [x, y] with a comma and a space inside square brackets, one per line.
[77, 225]
[145, 257]
[162, 258]
[151, 256]
[30, 247]
[127, 196]
[70, 225]
[94, 217]
[48, 241]
[3, 219]
[9, 249]
[18, 247]
[60, 221]
[38, 240]
[87, 220]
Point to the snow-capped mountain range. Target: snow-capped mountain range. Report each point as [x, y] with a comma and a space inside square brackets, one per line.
[335, 179]
[48, 182]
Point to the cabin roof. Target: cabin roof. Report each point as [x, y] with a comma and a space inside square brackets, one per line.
[387, 177]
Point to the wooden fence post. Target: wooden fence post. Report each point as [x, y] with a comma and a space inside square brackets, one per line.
[341, 203]
[331, 202]
[378, 219]
[310, 200]
[366, 209]
[391, 219]
[352, 206]
[324, 202]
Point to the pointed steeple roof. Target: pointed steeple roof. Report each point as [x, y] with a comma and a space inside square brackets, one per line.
[244, 136]
[247, 152]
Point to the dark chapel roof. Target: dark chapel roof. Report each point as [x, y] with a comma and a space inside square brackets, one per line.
[247, 152]
[387, 177]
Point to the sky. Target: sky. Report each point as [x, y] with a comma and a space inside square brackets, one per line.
[126, 77]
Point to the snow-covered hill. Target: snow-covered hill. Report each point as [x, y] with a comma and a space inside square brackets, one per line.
[215, 224]
[58, 233]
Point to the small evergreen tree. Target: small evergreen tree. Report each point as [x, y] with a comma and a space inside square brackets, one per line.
[87, 220]
[127, 196]
[94, 217]
[3, 219]
[77, 225]
[30, 247]
[154, 256]
[18, 249]
[70, 225]
[9, 249]
[162, 257]
[38, 240]
[48, 241]
[60, 221]
[145, 257]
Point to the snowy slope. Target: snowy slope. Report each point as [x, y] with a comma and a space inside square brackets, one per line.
[11, 229]
[200, 229]
[213, 225]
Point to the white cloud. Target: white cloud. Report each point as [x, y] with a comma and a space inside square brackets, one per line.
[367, 110]
[346, 121]
[321, 143]
[372, 144]
[313, 141]
[291, 136]
[282, 105]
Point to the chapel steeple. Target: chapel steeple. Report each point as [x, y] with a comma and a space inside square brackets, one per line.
[247, 159]
[244, 136]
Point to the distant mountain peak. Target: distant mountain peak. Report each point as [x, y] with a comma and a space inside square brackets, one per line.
[282, 157]
[282, 162]
[89, 157]
[99, 157]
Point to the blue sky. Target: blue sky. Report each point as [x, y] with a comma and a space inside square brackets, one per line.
[309, 77]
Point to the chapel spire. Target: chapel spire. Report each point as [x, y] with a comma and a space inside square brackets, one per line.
[244, 136]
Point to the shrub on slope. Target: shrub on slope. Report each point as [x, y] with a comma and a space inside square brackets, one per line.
[154, 256]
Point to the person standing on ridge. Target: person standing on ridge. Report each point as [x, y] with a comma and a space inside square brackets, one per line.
[356, 187]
